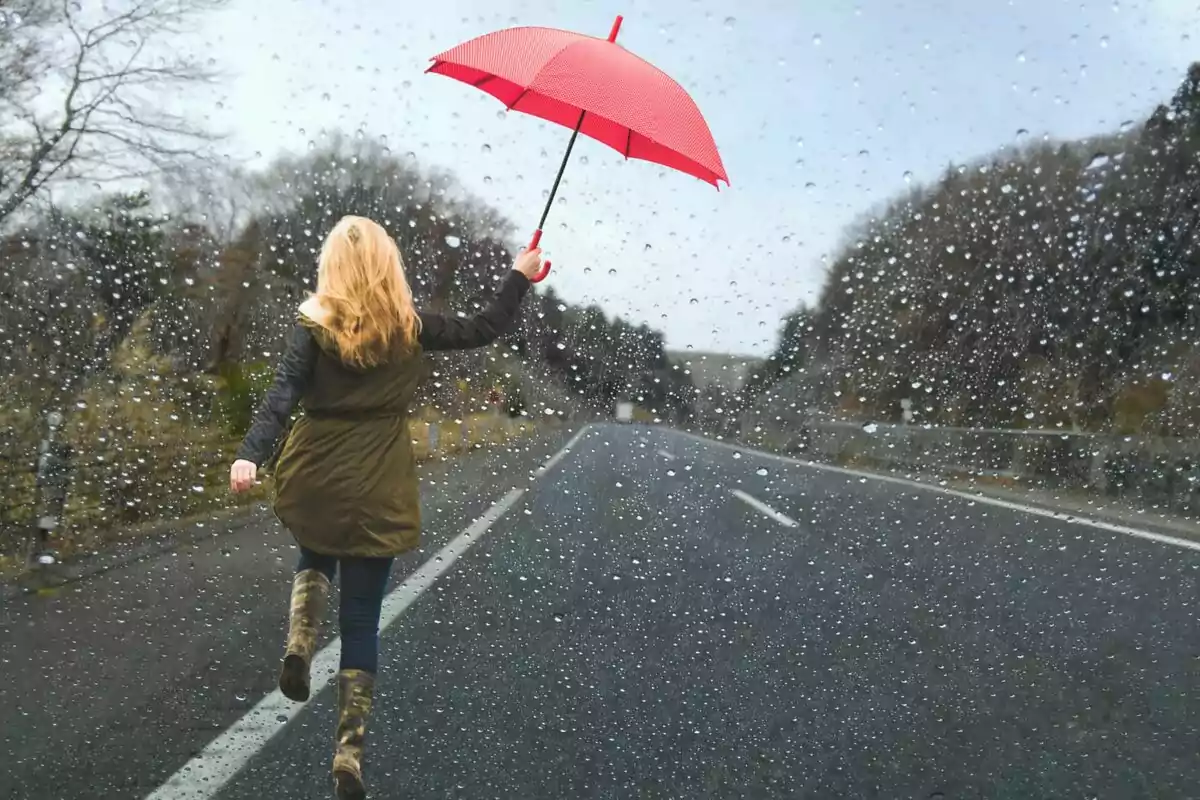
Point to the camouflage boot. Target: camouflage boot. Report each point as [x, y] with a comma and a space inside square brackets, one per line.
[310, 590]
[356, 690]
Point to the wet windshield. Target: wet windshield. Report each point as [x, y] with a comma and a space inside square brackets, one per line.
[509, 399]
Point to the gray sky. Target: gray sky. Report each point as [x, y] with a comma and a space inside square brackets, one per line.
[821, 108]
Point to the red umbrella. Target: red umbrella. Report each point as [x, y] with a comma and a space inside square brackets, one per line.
[594, 86]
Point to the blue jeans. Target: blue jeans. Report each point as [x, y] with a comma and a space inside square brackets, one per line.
[364, 581]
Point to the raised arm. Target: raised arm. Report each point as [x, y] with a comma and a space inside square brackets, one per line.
[461, 333]
[291, 379]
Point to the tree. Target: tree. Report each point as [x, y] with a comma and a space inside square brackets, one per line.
[1047, 286]
[81, 93]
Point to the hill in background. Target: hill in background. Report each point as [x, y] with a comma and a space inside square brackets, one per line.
[724, 371]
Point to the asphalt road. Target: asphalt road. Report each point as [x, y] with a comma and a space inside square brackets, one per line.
[655, 617]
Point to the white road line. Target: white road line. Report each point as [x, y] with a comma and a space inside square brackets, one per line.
[212, 768]
[666, 455]
[759, 505]
[224, 757]
[1059, 516]
[561, 454]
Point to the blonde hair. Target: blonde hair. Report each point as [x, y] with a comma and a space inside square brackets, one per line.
[361, 284]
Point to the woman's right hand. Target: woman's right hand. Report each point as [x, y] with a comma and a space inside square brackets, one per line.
[529, 262]
[242, 475]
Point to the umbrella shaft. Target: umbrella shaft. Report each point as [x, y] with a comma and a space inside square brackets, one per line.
[561, 169]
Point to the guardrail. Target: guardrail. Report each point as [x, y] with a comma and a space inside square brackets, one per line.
[1152, 472]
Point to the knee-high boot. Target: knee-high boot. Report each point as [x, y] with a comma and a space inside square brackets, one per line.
[310, 591]
[356, 691]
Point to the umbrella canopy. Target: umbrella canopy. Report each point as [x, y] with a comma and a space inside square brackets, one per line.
[626, 102]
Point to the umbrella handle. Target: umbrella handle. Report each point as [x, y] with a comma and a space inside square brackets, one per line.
[545, 270]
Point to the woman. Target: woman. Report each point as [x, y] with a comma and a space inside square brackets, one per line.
[346, 485]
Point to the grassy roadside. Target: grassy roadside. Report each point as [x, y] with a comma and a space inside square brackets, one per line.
[92, 528]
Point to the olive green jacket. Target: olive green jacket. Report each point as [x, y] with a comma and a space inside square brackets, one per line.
[346, 482]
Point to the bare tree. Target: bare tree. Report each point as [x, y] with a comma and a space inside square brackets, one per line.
[85, 90]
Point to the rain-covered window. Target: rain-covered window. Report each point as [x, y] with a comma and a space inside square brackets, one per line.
[516, 399]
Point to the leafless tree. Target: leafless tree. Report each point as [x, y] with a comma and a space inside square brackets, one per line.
[86, 90]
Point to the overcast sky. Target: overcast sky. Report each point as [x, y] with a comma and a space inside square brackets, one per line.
[821, 109]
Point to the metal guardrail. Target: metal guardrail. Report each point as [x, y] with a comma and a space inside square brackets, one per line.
[1151, 472]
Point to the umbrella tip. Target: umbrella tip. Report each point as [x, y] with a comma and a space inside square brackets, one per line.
[616, 28]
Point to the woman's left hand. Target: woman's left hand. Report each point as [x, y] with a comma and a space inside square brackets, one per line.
[242, 475]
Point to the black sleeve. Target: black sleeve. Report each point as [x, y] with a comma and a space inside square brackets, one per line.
[291, 379]
[454, 333]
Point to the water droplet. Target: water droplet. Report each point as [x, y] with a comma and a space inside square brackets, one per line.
[1021, 57]
[817, 39]
[583, 160]
[453, 241]
[1007, 188]
[1127, 125]
[647, 248]
[729, 23]
[1099, 160]
[908, 176]
[486, 148]
[949, 248]
[693, 302]
[487, 179]
[612, 271]
[864, 153]
[870, 427]
[325, 96]
[1022, 133]
[1104, 41]
[761, 472]
[1028, 415]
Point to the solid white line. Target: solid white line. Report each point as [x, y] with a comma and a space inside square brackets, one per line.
[212, 768]
[561, 454]
[1060, 516]
[666, 455]
[759, 505]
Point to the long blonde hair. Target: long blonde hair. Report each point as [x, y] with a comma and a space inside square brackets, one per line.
[361, 284]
